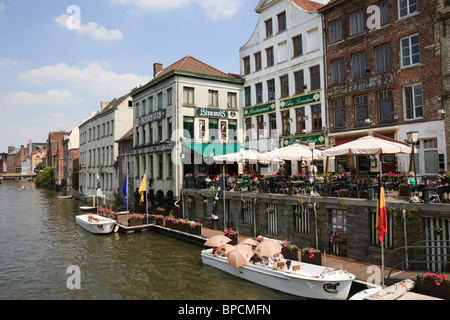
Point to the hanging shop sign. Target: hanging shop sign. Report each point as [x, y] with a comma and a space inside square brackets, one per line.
[212, 113]
[305, 99]
[260, 109]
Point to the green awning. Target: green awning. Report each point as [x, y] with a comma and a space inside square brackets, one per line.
[208, 150]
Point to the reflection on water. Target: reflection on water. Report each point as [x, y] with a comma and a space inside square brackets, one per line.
[39, 240]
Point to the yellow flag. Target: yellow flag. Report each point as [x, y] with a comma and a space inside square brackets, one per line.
[142, 188]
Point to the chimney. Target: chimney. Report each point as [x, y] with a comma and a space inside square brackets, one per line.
[157, 68]
[29, 149]
[103, 104]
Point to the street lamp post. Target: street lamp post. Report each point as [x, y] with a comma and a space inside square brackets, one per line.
[412, 138]
[312, 146]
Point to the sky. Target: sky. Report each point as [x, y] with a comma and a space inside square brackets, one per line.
[59, 59]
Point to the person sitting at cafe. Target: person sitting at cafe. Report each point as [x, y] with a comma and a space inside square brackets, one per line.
[231, 182]
[208, 182]
[411, 179]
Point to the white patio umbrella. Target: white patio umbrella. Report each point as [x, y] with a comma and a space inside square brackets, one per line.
[243, 156]
[367, 145]
[294, 152]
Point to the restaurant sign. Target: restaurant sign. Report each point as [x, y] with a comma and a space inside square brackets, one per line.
[154, 149]
[155, 116]
[318, 139]
[212, 113]
[259, 109]
[305, 99]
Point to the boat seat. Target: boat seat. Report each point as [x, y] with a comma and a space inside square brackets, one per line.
[295, 268]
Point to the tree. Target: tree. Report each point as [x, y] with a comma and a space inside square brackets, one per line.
[45, 178]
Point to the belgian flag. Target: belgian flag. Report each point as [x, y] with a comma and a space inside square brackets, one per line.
[381, 215]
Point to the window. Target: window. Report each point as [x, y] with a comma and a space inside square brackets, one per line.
[315, 77]
[213, 129]
[299, 82]
[260, 126]
[286, 122]
[232, 100]
[339, 118]
[169, 128]
[188, 126]
[316, 112]
[160, 101]
[336, 31]
[248, 96]
[385, 106]
[151, 104]
[359, 65]
[232, 130]
[384, 12]
[160, 166]
[300, 119]
[169, 97]
[337, 71]
[281, 21]
[258, 61]
[188, 95]
[248, 127]
[269, 31]
[272, 124]
[259, 93]
[271, 89]
[246, 65]
[150, 133]
[169, 166]
[413, 101]
[410, 51]
[406, 7]
[361, 110]
[357, 23]
[383, 58]
[297, 44]
[270, 57]
[213, 98]
[284, 86]
[431, 155]
[160, 131]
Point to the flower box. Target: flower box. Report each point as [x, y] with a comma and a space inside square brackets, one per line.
[185, 227]
[312, 256]
[428, 285]
[160, 221]
[168, 223]
[176, 224]
[232, 235]
[134, 221]
[195, 229]
[291, 254]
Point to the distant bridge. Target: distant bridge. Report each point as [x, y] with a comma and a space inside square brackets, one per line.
[15, 176]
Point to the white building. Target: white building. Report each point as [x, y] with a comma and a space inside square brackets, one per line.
[98, 149]
[284, 89]
[200, 102]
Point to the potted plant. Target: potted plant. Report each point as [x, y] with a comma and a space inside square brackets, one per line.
[168, 222]
[159, 219]
[433, 284]
[312, 256]
[176, 224]
[135, 220]
[289, 250]
[195, 228]
[230, 233]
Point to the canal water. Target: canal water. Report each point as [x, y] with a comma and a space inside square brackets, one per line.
[40, 242]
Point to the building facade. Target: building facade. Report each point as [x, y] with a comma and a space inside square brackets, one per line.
[98, 148]
[189, 109]
[383, 75]
[282, 65]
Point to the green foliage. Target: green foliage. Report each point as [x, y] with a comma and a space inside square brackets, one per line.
[45, 178]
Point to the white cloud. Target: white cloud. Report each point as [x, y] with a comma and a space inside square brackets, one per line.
[92, 77]
[215, 9]
[96, 31]
[55, 98]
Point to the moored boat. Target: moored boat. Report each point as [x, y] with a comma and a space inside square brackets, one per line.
[299, 279]
[96, 224]
[88, 208]
[65, 197]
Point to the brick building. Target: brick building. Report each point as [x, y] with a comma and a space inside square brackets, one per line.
[383, 75]
[443, 27]
[55, 154]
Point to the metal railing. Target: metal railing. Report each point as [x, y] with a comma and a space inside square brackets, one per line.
[434, 262]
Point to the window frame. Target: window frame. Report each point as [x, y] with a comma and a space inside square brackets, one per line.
[410, 53]
[414, 107]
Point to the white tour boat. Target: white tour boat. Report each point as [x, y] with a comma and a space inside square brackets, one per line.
[300, 279]
[95, 223]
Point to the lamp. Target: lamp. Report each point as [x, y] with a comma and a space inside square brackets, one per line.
[412, 138]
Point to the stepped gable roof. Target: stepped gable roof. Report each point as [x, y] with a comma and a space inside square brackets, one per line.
[191, 64]
[308, 5]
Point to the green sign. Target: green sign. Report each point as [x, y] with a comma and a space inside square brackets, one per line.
[309, 98]
[263, 108]
[318, 139]
[212, 113]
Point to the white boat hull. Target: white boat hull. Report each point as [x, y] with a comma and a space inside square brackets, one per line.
[311, 281]
[87, 208]
[102, 226]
